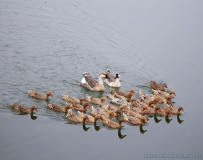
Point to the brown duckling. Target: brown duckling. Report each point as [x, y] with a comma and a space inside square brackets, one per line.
[80, 107]
[165, 112]
[91, 118]
[135, 114]
[155, 85]
[176, 111]
[134, 120]
[115, 125]
[58, 108]
[72, 99]
[24, 109]
[39, 95]
[96, 101]
[123, 93]
[154, 110]
[75, 118]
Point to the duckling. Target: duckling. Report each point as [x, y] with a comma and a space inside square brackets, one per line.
[73, 117]
[165, 112]
[133, 120]
[164, 95]
[135, 114]
[72, 99]
[155, 85]
[24, 109]
[123, 93]
[39, 95]
[154, 110]
[80, 107]
[91, 84]
[58, 108]
[117, 100]
[94, 100]
[91, 118]
[112, 81]
[174, 110]
[115, 125]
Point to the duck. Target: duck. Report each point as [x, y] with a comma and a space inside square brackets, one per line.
[24, 109]
[155, 85]
[133, 120]
[91, 84]
[75, 118]
[115, 125]
[39, 95]
[112, 81]
[154, 110]
[139, 110]
[165, 112]
[91, 118]
[72, 99]
[116, 100]
[123, 93]
[96, 101]
[58, 108]
[165, 95]
[176, 111]
[135, 114]
[80, 107]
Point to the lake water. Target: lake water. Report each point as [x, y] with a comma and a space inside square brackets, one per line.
[47, 45]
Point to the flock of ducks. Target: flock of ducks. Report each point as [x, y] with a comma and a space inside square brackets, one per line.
[127, 107]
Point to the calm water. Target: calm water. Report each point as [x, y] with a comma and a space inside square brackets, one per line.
[48, 45]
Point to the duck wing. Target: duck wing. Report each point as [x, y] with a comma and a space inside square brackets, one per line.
[110, 77]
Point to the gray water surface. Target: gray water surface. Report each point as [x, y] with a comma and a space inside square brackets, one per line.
[48, 45]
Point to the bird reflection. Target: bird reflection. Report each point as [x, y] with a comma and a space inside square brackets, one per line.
[178, 119]
[167, 119]
[156, 119]
[120, 135]
[33, 117]
[97, 128]
[141, 130]
[84, 127]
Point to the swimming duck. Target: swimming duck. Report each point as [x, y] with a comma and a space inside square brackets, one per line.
[75, 118]
[133, 120]
[40, 95]
[58, 108]
[96, 101]
[165, 112]
[112, 81]
[135, 114]
[155, 85]
[115, 125]
[163, 94]
[80, 107]
[176, 111]
[72, 99]
[91, 118]
[91, 84]
[117, 100]
[123, 93]
[24, 109]
[154, 110]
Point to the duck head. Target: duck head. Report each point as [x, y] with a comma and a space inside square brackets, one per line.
[49, 94]
[34, 108]
[172, 92]
[181, 108]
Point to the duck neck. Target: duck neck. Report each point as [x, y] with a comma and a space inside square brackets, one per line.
[162, 87]
[120, 121]
[101, 80]
[47, 96]
[84, 119]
